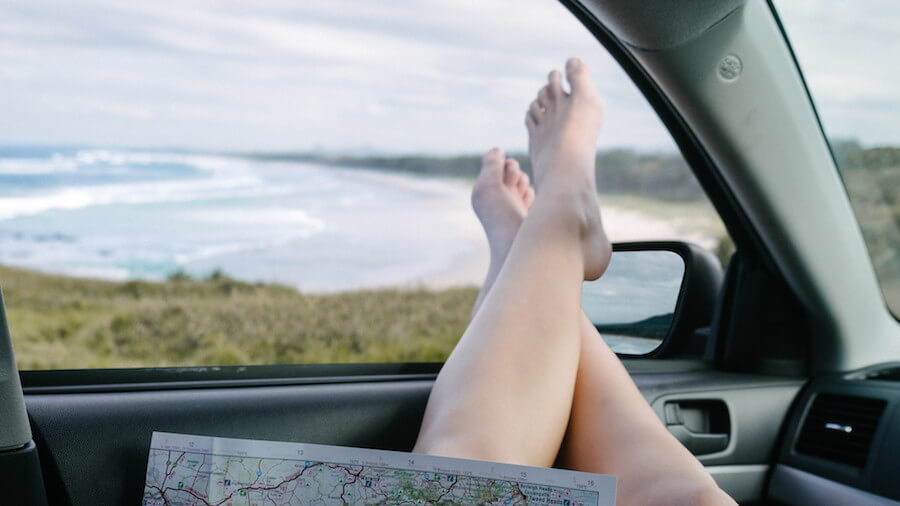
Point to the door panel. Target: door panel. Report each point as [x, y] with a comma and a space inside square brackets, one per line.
[98, 442]
[755, 409]
[94, 445]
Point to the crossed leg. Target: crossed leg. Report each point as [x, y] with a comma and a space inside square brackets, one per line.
[531, 373]
[506, 390]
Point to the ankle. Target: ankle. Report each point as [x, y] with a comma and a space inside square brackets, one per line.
[573, 206]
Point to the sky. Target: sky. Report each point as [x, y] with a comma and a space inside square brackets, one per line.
[399, 76]
[438, 76]
[849, 54]
[636, 286]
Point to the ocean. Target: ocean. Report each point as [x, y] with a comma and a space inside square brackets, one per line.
[131, 214]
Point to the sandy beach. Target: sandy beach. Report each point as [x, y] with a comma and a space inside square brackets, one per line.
[622, 224]
[319, 229]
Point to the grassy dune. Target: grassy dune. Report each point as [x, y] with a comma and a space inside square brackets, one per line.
[875, 197]
[59, 322]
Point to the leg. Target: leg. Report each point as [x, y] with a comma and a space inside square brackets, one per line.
[612, 430]
[501, 198]
[605, 397]
[652, 467]
[506, 391]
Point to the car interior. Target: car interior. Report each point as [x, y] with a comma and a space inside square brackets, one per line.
[781, 372]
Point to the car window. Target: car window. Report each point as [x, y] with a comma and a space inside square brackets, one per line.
[186, 183]
[855, 90]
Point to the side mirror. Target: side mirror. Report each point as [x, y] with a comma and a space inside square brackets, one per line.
[656, 298]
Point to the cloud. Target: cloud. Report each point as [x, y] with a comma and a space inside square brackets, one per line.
[411, 76]
[847, 51]
[403, 76]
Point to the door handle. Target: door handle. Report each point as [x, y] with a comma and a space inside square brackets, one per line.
[702, 426]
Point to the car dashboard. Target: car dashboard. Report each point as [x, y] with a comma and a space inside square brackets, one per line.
[841, 444]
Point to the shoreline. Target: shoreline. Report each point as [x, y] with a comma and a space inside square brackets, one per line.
[466, 269]
[429, 239]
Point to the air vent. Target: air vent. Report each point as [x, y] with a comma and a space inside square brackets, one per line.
[840, 428]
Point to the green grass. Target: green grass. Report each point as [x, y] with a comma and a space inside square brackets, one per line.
[60, 322]
[875, 196]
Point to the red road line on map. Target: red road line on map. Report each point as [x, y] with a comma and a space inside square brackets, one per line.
[193, 483]
[163, 492]
[434, 501]
[355, 478]
[205, 501]
[169, 459]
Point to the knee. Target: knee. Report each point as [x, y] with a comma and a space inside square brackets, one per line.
[681, 491]
[711, 495]
[699, 493]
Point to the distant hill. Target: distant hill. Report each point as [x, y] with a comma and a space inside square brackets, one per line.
[663, 176]
[619, 171]
[654, 327]
[872, 178]
[850, 155]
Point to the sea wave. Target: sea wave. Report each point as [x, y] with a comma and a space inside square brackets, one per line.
[90, 177]
[219, 250]
[205, 162]
[65, 162]
[37, 166]
[265, 215]
[70, 198]
[254, 220]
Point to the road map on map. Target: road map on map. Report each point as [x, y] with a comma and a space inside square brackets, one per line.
[200, 470]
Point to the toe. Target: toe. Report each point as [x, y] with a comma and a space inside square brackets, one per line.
[544, 98]
[492, 163]
[579, 76]
[511, 172]
[536, 111]
[530, 123]
[523, 184]
[554, 86]
[528, 197]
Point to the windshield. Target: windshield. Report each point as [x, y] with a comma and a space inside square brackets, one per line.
[847, 52]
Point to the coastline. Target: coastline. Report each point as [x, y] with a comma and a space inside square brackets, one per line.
[464, 269]
[317, 227]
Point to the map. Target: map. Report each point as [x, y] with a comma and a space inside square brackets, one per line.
[191, 470]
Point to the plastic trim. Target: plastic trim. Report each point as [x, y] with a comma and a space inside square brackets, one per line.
[14, 429]
[737, 223]
[162, 378]
[695, 304]
[793, 486]
[744, 483]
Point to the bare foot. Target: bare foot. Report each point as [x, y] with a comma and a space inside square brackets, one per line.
[562, 143]
[501, 198]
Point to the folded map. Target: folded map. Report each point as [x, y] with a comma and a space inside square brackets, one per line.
[200, 470]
